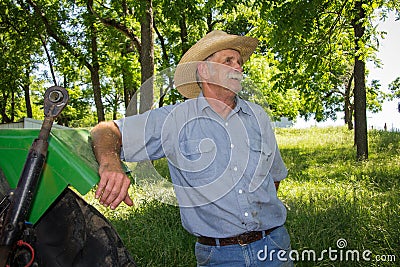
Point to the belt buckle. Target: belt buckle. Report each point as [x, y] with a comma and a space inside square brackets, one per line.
[242, 239]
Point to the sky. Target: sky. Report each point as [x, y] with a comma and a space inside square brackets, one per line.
[390, 56]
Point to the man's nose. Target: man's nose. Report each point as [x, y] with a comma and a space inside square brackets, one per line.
[238, 67]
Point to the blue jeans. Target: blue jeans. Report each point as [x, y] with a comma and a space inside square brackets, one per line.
[272, 250]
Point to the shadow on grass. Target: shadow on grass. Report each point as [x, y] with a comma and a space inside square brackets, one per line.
[330, 195]
[387, 142]
[330, 164]
[155, 237]
[301, 160]
[319, 223]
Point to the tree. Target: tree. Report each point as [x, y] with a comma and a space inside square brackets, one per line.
[395, 88]
[147, 54]
[54, 29]
[20, 47]
[360, 95]
[315, 44]
[110, 17]
[304, 64]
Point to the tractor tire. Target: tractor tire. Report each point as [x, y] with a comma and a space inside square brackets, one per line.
[74, 233]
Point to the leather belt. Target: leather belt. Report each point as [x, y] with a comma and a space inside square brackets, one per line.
[242, 239]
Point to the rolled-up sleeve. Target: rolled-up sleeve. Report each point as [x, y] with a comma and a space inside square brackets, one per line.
[141, 135]
[278, 169]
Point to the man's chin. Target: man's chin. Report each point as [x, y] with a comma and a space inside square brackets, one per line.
[234, 86]
[235, 89]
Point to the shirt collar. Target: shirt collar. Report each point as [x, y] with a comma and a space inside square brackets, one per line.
[202, 102]
[240, 104]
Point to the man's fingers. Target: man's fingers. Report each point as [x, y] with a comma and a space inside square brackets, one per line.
[128, 201]
[113, 189]
[123, 186]
[107, 192]
[100, 188]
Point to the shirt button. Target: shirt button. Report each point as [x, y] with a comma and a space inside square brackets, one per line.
[246, 214]
[240, 191]
[232, 145]
[235, 168]
[226, 124]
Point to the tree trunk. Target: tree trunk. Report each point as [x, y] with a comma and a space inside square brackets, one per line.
[126, 88]
[184, 34]
[132, 107]
[12, 106]
[360, 99]
[147, 57]
[128, 84]
[348, 109]
[130, 93]
[94, 73]
[3, 108]
[165, 63]
[27, 96]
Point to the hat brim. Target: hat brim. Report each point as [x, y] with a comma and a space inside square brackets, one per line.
[185, 73]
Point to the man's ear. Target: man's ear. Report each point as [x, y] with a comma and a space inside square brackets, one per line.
[203, 71]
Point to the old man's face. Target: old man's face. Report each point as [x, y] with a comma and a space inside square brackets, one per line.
[225, 70]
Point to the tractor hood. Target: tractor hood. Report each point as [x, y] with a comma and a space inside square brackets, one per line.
[70, 162]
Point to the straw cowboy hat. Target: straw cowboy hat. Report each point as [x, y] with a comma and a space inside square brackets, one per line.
[185, 73]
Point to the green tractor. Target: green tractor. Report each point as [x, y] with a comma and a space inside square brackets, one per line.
[43, 219]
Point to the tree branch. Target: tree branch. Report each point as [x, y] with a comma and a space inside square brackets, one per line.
[59, 40]
[48, 59]
[118, 26]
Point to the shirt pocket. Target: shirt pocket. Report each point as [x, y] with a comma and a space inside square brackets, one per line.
[198, 159]
[262, 155]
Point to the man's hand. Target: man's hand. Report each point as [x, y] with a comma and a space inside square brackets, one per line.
[113, 186]
[114, 183]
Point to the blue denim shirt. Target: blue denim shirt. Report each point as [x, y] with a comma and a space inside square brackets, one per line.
[223, 170]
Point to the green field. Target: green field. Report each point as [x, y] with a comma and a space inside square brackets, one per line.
[344, 211]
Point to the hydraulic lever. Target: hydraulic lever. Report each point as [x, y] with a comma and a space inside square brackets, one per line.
[20, 199]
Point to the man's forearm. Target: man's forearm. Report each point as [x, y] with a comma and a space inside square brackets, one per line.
[106, 142]
[114, 183]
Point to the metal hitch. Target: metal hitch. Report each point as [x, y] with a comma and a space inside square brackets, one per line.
[20, 199]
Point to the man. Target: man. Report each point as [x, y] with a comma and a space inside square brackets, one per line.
[222, 154]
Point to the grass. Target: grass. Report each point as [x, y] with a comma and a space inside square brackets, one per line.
[330, 198]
